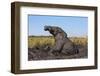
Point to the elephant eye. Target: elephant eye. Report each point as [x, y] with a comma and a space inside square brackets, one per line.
[59, 30]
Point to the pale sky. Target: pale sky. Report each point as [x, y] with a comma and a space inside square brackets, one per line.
[74, 26]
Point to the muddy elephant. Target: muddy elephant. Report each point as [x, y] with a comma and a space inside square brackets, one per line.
[62, 43]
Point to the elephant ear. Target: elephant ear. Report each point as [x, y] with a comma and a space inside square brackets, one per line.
[59, 30]
[62, 32]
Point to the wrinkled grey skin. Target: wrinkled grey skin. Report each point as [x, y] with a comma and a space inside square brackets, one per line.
[62, 43]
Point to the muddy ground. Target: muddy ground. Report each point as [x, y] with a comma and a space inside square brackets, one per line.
[39, 53]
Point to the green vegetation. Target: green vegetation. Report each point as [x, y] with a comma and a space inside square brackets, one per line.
[38, 41]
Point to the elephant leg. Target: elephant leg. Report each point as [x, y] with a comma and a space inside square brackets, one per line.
[56, 50]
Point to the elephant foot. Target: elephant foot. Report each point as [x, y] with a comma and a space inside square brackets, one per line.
[72, 52]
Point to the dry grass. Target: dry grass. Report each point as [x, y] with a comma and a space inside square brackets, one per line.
[40, 41]
[79, 41]
[37, 41]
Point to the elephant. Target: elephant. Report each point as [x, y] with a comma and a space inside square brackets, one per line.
[63, 45]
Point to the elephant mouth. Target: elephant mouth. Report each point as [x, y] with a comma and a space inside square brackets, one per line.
[47, 28]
